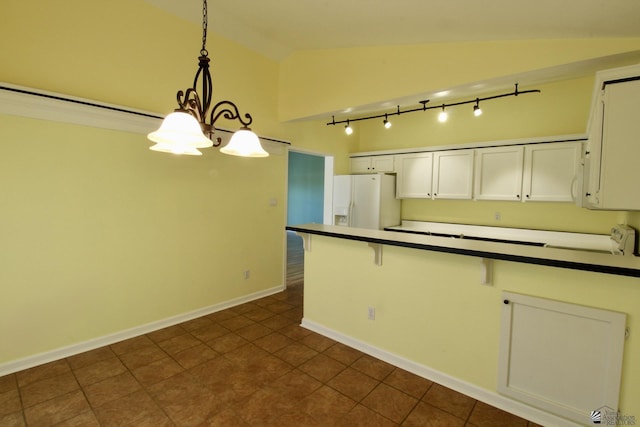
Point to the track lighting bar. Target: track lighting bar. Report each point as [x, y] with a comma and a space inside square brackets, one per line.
[424, 107]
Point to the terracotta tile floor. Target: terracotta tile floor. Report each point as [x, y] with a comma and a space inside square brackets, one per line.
[251, 365]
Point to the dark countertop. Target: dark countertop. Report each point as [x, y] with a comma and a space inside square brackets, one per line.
[548, 256]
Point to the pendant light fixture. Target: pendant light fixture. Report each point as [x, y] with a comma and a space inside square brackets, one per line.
[186, 129]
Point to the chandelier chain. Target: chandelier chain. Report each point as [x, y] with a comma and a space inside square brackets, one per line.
[205, 19]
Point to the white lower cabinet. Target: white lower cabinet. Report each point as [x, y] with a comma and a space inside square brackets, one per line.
[498, 173]
[551, 171]
[414, 175]
[453, 174]
[563, 358]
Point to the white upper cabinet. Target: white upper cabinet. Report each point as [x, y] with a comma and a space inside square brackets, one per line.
[414, 175]
[372, 164]
[453, 174]
[612, 157]
[498, 173]
[551, 172]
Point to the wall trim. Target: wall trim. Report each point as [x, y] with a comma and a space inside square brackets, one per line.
[487, 396]
[39, 104]
[92, 344]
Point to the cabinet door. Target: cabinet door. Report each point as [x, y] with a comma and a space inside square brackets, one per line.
[383, 163]
[453, 174]
[361, 165]
[619, 170]
[414, 175]
[498, 173]
[372, 164]
[551, 171]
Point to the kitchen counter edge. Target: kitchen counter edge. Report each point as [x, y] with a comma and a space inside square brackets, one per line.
[553, 257]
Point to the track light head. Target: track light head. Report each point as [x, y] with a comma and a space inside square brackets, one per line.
[348, 129]
[386, 122]
[477, 111]
[443, 116]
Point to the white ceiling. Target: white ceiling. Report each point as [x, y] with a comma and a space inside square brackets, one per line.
[277, 28]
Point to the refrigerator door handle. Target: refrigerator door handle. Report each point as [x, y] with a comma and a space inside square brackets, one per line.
[351, 207]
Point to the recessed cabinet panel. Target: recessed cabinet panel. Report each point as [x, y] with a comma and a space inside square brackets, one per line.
[551, 172]
[414, 175]
[498, 173]
[372, 164]
[453, 174]
[563, 358]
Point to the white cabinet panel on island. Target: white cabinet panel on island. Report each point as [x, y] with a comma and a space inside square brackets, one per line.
[453, 174]
[498, 173]
[414, 175]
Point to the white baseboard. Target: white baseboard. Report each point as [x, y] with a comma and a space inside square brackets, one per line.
[487, 396]
[62, 352]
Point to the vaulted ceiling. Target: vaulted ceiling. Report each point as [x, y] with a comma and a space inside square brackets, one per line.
[277, 28]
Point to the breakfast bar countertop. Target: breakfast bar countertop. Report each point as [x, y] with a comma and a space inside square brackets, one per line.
[576, 259]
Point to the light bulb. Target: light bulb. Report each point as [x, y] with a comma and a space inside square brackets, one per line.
[348, 129]
[244, 143]
[443, 116]
[179, 133]
[387, 124]
[477, 111]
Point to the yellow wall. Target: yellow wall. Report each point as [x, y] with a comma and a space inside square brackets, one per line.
[99, 234]
[432, 310]
[316, 82]
[561, 108]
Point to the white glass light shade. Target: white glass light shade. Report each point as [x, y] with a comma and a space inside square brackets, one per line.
[244, 143]
[179, 133]
[443, 116]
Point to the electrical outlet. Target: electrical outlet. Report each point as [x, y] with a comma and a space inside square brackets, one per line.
[372, 313]
[246, 274]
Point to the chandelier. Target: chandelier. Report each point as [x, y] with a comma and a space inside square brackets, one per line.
[186, 129]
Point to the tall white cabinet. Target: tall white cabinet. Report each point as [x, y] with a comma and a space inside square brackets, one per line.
[612, 156]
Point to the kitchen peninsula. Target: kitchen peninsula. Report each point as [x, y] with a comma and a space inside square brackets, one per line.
[435, 305]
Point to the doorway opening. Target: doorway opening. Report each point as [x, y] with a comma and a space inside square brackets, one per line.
[309, 194]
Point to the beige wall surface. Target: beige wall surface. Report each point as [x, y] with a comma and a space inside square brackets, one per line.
[100, 235]
[431, 309]
[314, 82]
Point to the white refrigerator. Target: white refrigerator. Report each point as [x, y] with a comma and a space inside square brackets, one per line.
[365, 201]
